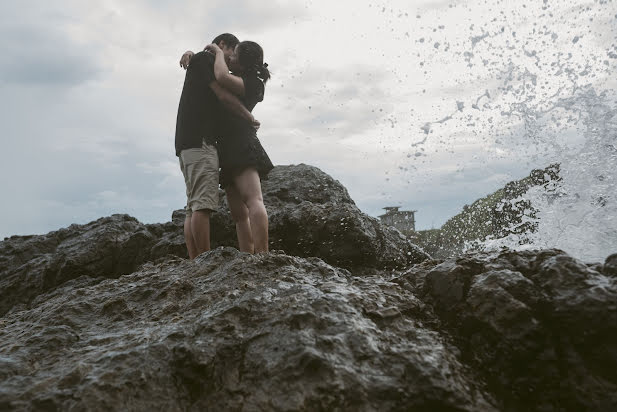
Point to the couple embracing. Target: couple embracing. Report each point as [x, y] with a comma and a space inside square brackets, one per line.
[215, 129]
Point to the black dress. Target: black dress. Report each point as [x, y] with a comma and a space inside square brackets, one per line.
[238, 145]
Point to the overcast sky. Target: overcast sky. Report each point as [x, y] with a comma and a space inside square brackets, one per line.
[420, 104]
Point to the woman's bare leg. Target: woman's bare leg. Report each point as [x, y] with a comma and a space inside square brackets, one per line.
[248, 186]
[240, 215]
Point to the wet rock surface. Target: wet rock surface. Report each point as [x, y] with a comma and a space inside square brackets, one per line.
[108, 247]
[311, 214]
[348, 316]
[294, 184]
[341, 235]
[539, 326]
[232, 331]
[610, 265]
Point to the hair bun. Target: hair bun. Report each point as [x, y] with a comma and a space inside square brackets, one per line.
[266, 65]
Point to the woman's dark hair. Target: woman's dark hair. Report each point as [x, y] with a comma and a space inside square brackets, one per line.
[251, 57]
[229, 39]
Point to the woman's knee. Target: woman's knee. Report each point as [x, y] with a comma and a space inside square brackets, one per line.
[256, 206]
[254, 199]
[237, 207]
[239, 214]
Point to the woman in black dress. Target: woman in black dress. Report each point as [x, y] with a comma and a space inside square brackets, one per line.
[242, 158]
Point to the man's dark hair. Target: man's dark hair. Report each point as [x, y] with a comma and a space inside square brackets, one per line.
[229, 39]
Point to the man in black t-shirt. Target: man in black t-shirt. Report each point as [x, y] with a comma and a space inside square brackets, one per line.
[202, 102]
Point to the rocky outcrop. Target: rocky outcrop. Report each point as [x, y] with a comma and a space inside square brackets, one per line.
[610, 266]
[497, 215]
[108, 247]
[294, 184]
[514, 214]
[511, 331]
[347, 316]
[539, 326]
[311, 214]
[231, 331]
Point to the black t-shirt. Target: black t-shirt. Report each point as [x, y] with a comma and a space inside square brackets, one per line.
[199, 109]
[234, 125]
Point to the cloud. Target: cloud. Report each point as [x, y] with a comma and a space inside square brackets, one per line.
[248, 18]
[44, 57]
[327, 105]
[90, 93]
[36, 53]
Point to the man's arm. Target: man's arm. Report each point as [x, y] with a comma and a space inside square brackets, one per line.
[233, 104]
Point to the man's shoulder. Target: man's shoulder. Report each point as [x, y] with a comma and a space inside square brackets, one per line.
[203, 57]
[201, 68]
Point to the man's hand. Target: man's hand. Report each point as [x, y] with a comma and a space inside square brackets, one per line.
[185, 59]
[213, 48]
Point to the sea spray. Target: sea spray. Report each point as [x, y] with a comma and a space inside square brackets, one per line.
[578, 212]
[548, 99]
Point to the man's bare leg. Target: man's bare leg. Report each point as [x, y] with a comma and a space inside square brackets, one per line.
[200, 228]
[248, 185]
[188, 238]
[240, 215]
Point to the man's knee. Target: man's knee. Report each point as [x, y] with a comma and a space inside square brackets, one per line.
[201, 215]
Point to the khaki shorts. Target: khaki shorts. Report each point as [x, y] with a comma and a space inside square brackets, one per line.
[200, 168]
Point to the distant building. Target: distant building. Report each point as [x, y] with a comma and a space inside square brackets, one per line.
[403, 220]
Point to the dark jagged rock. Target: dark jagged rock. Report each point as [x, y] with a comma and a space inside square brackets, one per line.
[610, 265]
[231, 331]
[495, 216]
[294, 184]
[111, 316]
[108, 247]
[311, 215]
[341, 235]
[539, 325]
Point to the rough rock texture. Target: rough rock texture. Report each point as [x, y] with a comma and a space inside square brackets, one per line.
[341, 235]
[231, 331]
[540, 326]
[610, 265]
[512, 213]
[311, 214]
[111, 316]
[108, 247]
[289, 185]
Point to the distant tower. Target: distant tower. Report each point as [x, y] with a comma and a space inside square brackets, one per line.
[403, 220]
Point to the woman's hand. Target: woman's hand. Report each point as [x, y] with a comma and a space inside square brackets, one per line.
[213, 48]
[185, 59]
